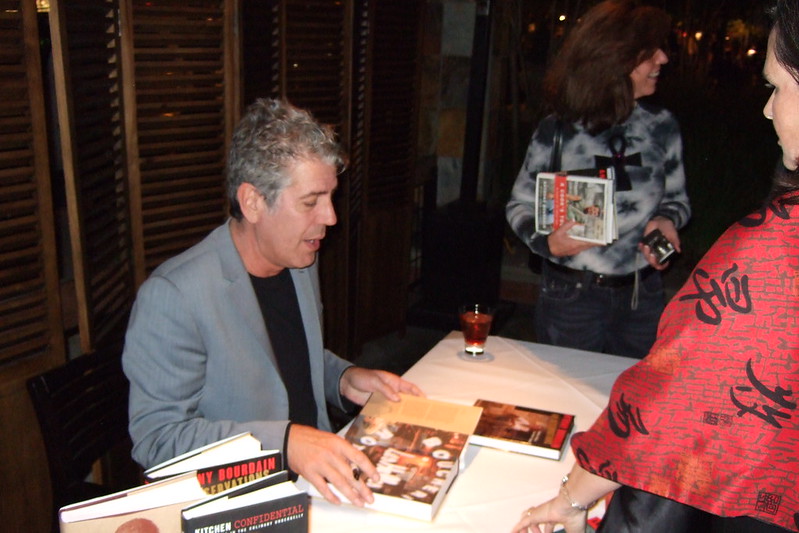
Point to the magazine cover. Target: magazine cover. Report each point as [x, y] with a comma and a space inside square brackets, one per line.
[586, 200]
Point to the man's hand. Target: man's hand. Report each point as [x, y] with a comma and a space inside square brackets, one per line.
[561, 244]
[322, 457]
[357, 384]
[666, 227]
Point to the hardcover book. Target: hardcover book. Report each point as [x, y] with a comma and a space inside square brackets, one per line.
[522, 429]
[587, 200]
[152, 507]
[223, 464]
[416, 445]
[271, 503]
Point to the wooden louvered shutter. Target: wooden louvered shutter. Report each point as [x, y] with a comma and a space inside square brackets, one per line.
[87, 78]
[31, 337]
[356, 174]
[298, 50]
[384, 263]
[315, 58]
[181, 104]
[29, 289]
[354, 65]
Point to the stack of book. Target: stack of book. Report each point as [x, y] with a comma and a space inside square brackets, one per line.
[416, 444]
[231, 485]
[585, 197]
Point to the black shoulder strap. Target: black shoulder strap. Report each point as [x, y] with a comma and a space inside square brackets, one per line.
[554, 161]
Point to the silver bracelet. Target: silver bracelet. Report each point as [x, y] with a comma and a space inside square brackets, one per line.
[573, 503]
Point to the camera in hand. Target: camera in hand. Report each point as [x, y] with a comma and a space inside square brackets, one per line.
[660, 245]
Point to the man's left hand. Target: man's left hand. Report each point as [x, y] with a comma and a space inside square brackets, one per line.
[357, 384]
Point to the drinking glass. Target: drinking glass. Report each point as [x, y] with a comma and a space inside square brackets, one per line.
[476, 324]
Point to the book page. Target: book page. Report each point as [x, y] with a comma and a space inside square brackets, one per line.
[239, 446]
[424, 412]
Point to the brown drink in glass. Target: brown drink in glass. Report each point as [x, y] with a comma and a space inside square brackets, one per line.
[475, 324]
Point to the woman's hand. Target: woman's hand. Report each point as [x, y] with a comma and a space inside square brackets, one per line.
[544, 517]
[666, 227]
[579, 488]
[561, 244]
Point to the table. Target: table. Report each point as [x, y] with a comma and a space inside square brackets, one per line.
[496, 486]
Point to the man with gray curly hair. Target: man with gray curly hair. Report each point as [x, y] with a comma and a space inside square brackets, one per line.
[226, 337]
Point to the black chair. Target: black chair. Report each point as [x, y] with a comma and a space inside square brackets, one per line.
[82, 409]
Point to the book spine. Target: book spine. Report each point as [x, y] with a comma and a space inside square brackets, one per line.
[283, 515]
[564, 427]
[223, 477]
[560, 202]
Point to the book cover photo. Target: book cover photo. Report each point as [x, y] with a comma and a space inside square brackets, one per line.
[586, 200]
[522, 429]
[417, 464]
[416, 444]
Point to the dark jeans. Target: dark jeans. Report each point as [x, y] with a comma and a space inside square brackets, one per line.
[579, 314]
[636, 511]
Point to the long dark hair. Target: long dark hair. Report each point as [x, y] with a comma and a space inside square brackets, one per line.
[785, 14]
[589, 80]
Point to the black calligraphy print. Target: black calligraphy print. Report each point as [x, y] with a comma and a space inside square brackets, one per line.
[716, 419]
[605, 469]
[768, 502]
[769, 405]
[758, 218]
[730, 291]
[624, 417]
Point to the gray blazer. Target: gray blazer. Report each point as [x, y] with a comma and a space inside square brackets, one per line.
[199, 360]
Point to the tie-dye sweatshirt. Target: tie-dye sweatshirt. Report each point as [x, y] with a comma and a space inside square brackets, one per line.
[653, 164]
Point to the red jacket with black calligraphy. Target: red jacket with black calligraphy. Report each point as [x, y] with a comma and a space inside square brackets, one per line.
[710, 417]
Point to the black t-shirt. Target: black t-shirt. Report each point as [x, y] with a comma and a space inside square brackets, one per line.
[281, 313]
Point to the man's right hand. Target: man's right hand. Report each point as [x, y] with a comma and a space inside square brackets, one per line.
[322, 457]
[561, 244]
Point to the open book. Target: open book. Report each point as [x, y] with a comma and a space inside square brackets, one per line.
[587, 200]
[416, 445]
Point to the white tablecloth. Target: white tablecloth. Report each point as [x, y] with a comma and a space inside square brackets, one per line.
[496, 486]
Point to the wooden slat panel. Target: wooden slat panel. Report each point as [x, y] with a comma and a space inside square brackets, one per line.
[300, 50]
[86, 47]
[31, 337]
[393, 77]
[27, 243]
[315, 56]
[315, 76]
[180, 66]
[390, 99]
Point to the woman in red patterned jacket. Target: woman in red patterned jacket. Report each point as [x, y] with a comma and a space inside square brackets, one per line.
[703, 433]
